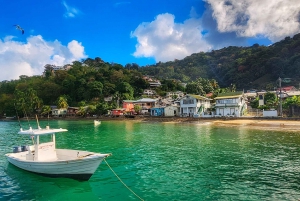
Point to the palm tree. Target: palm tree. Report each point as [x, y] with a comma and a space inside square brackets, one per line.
[62, 102]
[46, 109]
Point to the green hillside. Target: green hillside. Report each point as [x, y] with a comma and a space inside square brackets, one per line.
[89, 82]
[246, 67]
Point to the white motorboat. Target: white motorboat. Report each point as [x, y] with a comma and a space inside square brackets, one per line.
[97, 122]
[47, 160]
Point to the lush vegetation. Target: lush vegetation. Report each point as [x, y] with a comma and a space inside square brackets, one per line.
[85, 85]
[247, 67]
[88, 82]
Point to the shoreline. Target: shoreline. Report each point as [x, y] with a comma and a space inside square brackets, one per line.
[279, 124]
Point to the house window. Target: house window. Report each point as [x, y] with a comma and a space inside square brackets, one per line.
[226, 101]
[188, 101]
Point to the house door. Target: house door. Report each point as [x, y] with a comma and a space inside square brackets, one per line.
[222, 111]
[232, 111]
[191, 113]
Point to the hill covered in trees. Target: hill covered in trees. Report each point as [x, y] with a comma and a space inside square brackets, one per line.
[246, 67]
[88, 82]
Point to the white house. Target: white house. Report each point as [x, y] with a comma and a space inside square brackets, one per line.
[231, 104]
[155, 83]
[177, 94]
[59, 112]
[149, 92]
[194, 105]
[171, 111]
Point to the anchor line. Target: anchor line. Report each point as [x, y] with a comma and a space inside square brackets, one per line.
[122, 181]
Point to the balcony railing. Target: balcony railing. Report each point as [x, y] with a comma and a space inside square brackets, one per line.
[228, 104]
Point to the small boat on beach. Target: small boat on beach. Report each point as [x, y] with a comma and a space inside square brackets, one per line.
[97, 122]
[45, 159]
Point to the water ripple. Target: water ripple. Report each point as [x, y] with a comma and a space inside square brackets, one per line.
[164, 162]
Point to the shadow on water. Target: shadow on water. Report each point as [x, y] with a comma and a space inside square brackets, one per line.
[17, 184]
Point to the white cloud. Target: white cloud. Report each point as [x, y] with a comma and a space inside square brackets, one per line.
[76, 49]
[122, 3]
[70, 11]
[274, 19]
[166, 40]
[29, 58]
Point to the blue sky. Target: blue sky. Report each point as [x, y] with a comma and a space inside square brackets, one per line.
[134, 31]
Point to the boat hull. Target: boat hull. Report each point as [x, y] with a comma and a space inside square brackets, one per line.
[79, 165]
[96, 122]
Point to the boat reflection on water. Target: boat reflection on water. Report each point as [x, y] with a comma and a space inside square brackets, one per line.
[30, 186]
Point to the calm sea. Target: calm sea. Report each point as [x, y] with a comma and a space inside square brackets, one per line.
[163, 161]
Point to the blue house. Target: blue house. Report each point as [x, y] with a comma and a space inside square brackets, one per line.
[157, 111]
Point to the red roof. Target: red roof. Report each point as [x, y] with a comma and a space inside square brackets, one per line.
[209, 94]
[288, 88]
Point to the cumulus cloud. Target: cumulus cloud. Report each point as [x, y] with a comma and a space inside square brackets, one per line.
[29, 58]
[166, 40]
[216, 38]
[70, 11]
[76, 49]
[273, 19]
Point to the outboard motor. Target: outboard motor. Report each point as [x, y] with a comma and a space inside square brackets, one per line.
[17, 149]
[24, 148]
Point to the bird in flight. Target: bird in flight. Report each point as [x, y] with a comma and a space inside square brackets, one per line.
[19, 28]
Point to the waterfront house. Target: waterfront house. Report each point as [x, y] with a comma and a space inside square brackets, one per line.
[146, 104]
[157, 111]
[194, 105]
[117, 112]
[72, 111]
[172, 110]
[59, 112]
[231, 104]
[128, 106]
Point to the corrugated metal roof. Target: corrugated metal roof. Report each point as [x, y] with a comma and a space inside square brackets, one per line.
[129, 101]
[145, 100]
[230, 95]
[199, 97]
[227, 97]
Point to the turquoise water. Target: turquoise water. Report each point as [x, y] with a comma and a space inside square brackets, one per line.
[163, 161]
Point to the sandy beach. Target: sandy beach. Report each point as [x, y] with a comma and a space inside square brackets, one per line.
[280, 124]
[283, 124]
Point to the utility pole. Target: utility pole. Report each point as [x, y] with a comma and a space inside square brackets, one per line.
[280, 98]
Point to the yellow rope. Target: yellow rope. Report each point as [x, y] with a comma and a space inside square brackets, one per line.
[122, 181]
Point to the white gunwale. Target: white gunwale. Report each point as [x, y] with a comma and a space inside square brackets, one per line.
[44, 158]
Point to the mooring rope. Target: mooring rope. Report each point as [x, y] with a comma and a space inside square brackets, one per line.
[122, 181]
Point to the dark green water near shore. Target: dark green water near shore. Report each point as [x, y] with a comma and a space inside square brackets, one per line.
[163, 161]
